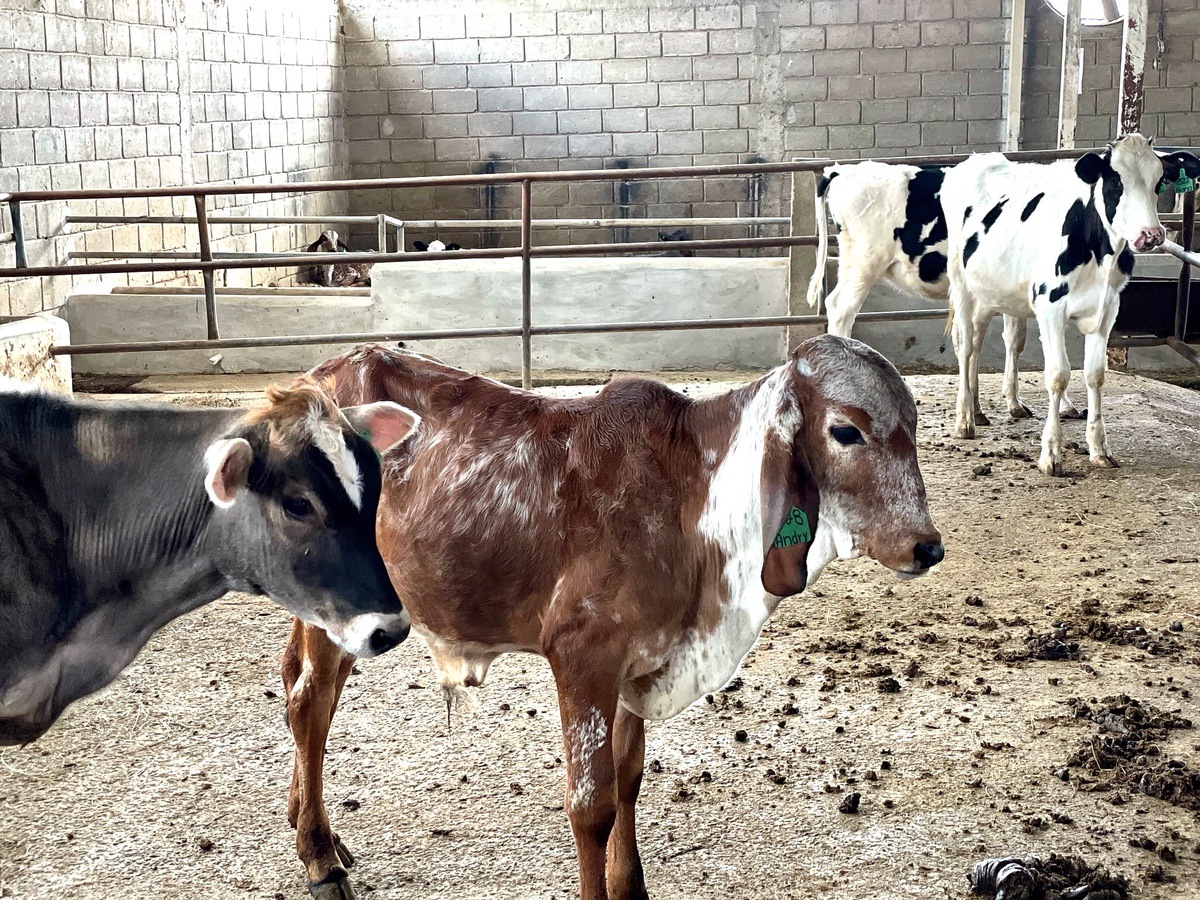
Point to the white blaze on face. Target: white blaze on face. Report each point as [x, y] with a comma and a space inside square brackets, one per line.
[584, 740]
[331, 441]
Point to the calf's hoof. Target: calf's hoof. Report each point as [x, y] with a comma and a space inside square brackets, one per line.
[334, 886]
[1051, 467]
[1020, 411]
[344, 854]
[1104, 461]
[1070, 412]
[966, 431]
[981, 419]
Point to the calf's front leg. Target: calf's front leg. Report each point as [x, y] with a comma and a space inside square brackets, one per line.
[1057, 375]
[1016, 330]
[626, 880]
[1095, 361]
[314, 673]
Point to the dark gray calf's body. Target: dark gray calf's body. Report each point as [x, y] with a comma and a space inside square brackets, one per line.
[107, 532]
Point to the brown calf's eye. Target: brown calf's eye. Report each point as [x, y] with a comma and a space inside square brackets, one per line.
[297, 508]
[847, 435]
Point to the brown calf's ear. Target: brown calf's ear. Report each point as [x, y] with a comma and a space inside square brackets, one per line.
[384, 424]
[227, 465]
[790, 505]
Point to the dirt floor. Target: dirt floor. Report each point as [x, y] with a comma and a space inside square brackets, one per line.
[928, 698]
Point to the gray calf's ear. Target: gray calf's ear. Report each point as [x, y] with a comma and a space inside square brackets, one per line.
[383, 424]
[227, 465]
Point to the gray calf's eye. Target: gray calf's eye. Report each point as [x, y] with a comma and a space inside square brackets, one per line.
[847, 435]
[297, 508]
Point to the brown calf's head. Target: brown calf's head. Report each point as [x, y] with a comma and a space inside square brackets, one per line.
[840, 475]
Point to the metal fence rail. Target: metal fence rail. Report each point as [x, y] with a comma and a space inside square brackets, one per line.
[209, 262]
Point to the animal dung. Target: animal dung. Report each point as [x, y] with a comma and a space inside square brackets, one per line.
[1054, 878]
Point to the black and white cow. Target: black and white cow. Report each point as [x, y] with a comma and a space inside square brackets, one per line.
[116, 519]
[435, 246]
[891, 227]
[1056, 242]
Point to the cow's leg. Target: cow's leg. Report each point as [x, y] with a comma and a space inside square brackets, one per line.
[314, 672]
[964, 348]
[982, 322]
[1095, 362]
[1016, 330]
[625, 878]
[1057, 374]
[1068, 410]
[844, 303]
[587, 701]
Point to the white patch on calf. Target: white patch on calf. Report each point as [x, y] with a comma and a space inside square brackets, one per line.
[13, 386]
[584, 740]
[331, 440]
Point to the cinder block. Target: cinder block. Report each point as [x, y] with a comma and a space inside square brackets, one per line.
[639, 46]
[715, 117]
[728, 16]
[986, 56]
[897, 34]
[685, 43]
[506, 99]
[624, 119]
[929, 10]
[501, 147]
[838, 112]
[835, 12]
[949, 133]
[583, 21]
[801, 38]
[931, 109]
[851, 87]
[534, 73]
[875, 61]
[456, 51]
[626, 95]
[547, 48]
[715, 68]
[670, 118]
[729, 141]
[690, 93]
[740, 40]
[446, 126]
[989, 31]
[535, 123]
[881, 10]
[680, 142]
[593, 46]
[673, 68]
[931, 59]
[683, 19]
[433, 77]
[580, 72]
[626, 20]
[548, 147]
[579, 121]
[488, 24]
[590, 145]
[489, 124]
[977, 108]
[635, 144]
[490, 75]
[591, 96]
[907, 134]
[49, 146]
[451, 149]
[851, 138]
[836, 62]
[533, 23]
[623, 71]
[402, 53]
[843, 37]
[33, 109]
[16, 148]
[943, 84]
[443, 25]
[502, 50]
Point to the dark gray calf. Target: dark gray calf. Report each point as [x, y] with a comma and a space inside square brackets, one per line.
[114, 520]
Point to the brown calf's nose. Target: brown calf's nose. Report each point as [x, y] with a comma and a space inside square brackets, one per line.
[929, 555]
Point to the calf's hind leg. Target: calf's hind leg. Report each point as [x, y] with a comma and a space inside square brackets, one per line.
[626, 880]
[314, 672]
[1095, 359]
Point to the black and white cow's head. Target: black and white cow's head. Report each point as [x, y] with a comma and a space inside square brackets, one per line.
[434, 246]
[295, 489]
[1127, 176]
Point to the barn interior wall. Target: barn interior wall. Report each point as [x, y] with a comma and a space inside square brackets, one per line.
[438, 88]
[124, 93]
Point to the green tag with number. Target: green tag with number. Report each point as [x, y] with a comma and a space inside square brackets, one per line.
[795, 530]
[1184, 184]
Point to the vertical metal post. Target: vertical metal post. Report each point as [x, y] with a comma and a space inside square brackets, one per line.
[802, 260]
[18, 230]
[526, 317]
[1133, 67]
[381, 232]
[1068, 89]
[1184, 296]
[400, 238]
[1016, 77]
[210, 283]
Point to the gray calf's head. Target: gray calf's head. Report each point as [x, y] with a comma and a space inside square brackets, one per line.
[296, 489]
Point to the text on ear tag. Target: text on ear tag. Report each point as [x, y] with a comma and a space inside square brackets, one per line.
[795, 530]
[1184, 184]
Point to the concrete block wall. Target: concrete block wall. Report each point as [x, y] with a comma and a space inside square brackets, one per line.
[440, 88]
[123, 93]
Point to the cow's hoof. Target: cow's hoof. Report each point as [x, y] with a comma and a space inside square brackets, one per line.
[1071, 412]
[981, 419]
[343, 853]
[1104, 462]
[1020, 411]
[966, 431]
[334, 886]
[1050, 467]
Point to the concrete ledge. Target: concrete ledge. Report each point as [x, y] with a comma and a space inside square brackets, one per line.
[165, 314]
[25, 352]
[481, 293]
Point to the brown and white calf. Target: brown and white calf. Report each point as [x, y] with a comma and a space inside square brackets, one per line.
[637, 539]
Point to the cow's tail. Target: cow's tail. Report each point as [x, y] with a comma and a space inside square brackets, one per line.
[818, 276]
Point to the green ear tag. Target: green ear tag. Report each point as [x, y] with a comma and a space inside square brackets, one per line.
[1184, 184]
[365, 434]
[794, 530]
